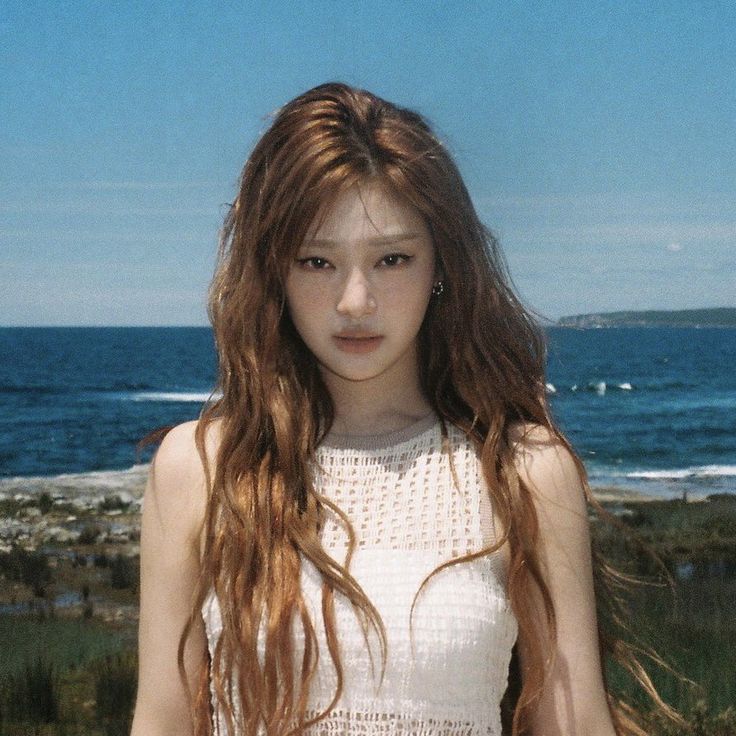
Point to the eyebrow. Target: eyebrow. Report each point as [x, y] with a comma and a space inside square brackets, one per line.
[377, 241]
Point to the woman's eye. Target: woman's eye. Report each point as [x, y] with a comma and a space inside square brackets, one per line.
[315, 263]
[395, 259]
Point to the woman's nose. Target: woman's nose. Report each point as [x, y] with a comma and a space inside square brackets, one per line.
[356, 299]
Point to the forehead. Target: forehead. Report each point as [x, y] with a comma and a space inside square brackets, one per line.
[366, 210]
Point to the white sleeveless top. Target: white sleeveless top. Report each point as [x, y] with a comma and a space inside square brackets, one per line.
[409, 517]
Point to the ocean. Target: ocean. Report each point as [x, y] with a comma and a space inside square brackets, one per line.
[648, 409]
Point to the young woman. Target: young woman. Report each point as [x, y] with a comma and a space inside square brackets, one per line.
[379, 514]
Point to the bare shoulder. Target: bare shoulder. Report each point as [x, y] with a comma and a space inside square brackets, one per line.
[176, 482]
[545, 465]
[178, 454]
[171, 552]
[573, 698]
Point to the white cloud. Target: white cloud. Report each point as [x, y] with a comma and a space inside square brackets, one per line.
[673, 247]
[611, 218]
[633, 233]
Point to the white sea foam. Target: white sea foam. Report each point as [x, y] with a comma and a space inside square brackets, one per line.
[599, 387]
[179, 396]
[696, 471]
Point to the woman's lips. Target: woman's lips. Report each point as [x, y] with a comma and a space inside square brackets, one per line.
[357, 344]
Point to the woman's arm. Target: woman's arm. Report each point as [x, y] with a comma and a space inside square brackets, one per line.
[573, 701]
[173, 509]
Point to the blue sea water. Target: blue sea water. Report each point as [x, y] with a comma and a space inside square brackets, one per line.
[653, 409]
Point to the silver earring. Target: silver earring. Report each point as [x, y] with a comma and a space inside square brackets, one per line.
[438, 288]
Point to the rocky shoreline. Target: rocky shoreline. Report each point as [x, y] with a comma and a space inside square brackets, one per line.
[83, 531]
[68, 509]
[103, 509]
[77, 539]
[70, 545]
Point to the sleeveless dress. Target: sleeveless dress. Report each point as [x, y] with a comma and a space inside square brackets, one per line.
[409, 516]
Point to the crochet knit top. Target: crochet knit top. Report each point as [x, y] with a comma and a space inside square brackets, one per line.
[412, 509]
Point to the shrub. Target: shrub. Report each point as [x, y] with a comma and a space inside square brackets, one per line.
[89, 534]
[30, 568]
[32, 695]
[701, 721]
[115, 687]
[124, 573]
[45, 503]
[114, 503]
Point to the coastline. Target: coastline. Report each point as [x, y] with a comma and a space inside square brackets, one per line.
[102, 508]
[619, 495]
[82, 529]
[87, 488]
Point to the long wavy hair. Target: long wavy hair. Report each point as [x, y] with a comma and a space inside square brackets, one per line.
[482, 369]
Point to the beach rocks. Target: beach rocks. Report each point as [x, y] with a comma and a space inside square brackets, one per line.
[66, 510]
[59, 535]
[14, 531]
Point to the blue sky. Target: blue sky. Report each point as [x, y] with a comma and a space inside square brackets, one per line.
[597, 140]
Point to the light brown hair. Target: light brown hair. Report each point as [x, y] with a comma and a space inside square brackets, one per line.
[482, 364]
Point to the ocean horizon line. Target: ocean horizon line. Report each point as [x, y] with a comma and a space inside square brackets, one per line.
[544, 322]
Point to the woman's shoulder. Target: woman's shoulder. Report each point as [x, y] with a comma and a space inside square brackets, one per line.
[531, 436]
[544, 462]
[178, 451]
[177, 479]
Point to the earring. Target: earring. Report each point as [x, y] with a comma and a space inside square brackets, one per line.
[438, 288]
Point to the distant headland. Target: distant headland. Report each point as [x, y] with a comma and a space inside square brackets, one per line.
[717, 317]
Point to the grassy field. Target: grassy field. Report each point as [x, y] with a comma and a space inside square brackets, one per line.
[87, 664]
[65, 677]
[686, 614]
[67, 669]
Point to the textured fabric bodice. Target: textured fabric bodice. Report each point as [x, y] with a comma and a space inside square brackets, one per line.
[409, 516]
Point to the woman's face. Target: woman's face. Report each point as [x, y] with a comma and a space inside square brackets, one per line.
[358, 289]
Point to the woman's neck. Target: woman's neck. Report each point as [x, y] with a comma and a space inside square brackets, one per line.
[376, 406]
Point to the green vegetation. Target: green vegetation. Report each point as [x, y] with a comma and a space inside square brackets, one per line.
[55, 674]
[114, 503]
[718, 317]
[124, 573]
[115, 686]
[700, 536]
[693, 629]
[701, 722]
[45, 503]
[688, 619]
[30, 568]
[10, 507]
[86, 668]
[89, 533]
[32, 694]
[68, 643]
